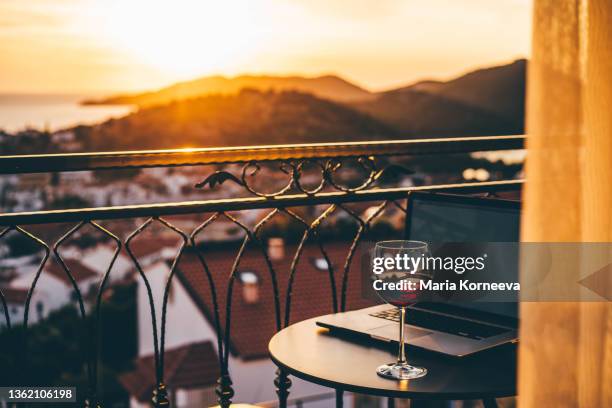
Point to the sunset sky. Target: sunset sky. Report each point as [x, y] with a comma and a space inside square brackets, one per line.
[84, 46]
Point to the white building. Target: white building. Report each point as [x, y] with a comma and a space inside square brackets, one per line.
[76, 179]
[98, 258]
[54, 288]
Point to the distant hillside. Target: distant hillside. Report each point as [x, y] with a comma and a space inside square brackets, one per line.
[218, 111]
[427, 115]
[430, 86]
[328, 87]
[248, 118]
[487, 101]
[498, 89]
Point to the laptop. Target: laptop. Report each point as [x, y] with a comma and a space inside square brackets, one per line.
[455, 329]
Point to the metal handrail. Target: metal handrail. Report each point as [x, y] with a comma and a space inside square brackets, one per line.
[42, 163]
[248, 203]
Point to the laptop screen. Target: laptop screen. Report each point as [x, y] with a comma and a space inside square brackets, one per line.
[440, 218]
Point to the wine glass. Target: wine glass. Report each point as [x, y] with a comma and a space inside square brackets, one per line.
[399, 286]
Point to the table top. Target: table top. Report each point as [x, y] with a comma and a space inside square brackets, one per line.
[309, 352]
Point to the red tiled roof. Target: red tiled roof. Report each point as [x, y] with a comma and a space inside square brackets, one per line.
[14, 295]
[252, 325]
[47, 232]
[79, 271]
[192, 366]
[145, 246]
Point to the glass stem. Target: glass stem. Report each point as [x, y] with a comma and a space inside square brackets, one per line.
[401, 355]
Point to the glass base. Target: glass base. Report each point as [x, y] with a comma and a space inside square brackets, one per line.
[400, 371]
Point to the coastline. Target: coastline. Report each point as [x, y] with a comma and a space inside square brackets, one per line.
[54, 112]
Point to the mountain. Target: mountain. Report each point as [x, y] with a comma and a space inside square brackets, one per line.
[218, 111]
[485, 101]
[328, 87]
[427, 115]
[247, 118]
[429, 86]
[499, 89]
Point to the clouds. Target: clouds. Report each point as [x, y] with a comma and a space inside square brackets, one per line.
[353, 9]
[35, 15]
[378, 43]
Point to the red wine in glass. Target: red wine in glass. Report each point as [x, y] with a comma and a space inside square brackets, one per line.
[399, 284]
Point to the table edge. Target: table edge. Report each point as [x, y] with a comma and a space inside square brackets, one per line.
[382, 392]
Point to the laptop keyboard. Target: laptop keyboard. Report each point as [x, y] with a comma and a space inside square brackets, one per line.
[445, 324]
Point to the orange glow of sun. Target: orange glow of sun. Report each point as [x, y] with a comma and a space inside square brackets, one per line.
[185, 37]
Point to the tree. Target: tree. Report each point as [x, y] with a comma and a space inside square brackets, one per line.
[57, 347]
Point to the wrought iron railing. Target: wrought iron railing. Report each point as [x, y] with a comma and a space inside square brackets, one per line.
[379, 166]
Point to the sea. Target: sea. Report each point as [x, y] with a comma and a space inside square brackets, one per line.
[53, 112]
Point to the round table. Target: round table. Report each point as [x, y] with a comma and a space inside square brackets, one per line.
[311, 353]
